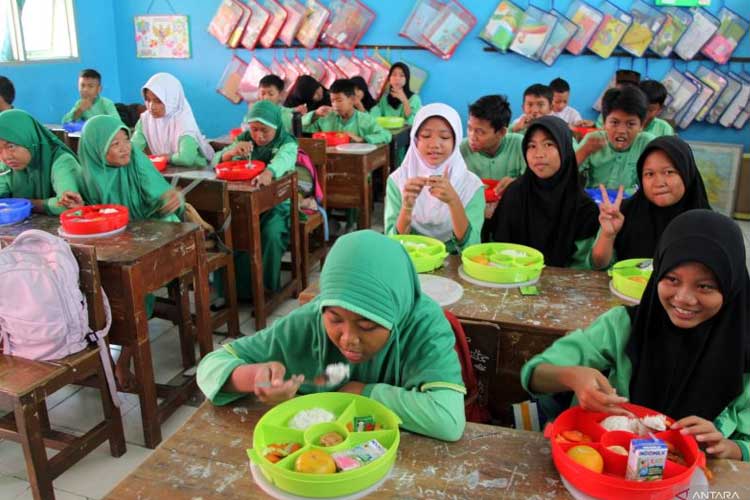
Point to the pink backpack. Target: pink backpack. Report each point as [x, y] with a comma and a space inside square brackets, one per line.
[43, 314]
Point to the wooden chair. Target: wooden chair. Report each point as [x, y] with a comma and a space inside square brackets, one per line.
[314, 245]
[25, 385]
[210, 198]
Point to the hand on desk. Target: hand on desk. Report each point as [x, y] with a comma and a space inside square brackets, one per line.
[270, 386]
[354, 137]
[708, 437]
[263, 179]
[353, 387]
[69, 199]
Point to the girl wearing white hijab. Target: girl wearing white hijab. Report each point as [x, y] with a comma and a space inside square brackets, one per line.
[168, 126]
[433, 193]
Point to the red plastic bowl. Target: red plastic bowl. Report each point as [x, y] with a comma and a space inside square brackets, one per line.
[489, 192]
[332, 138]
[235, 132]
[90, 220]
[581, 132]
[611, 483]
[238, 170]
[159, 162]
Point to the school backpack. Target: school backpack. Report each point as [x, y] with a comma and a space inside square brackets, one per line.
[308, 183]
[43, 314]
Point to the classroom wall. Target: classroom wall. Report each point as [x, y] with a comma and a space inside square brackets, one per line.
[49, 89]
[471, 72]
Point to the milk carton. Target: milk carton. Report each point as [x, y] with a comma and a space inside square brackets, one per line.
[646, 459]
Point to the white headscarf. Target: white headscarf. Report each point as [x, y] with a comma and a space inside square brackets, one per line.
[430, 216]
[163, 134]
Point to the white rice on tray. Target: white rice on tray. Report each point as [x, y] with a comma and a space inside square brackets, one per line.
[514, 253]
[306, 418]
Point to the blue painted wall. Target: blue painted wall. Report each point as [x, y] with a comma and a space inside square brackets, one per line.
[49, 90]
[472, 72]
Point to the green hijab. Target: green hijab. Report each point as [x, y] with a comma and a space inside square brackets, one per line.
[137, 185]
[35, 181]
[268, 114]
[371, 275]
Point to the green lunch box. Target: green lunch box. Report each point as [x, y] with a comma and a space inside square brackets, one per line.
[505, 263]
[629, 277]
[390, 121]
[426, 253]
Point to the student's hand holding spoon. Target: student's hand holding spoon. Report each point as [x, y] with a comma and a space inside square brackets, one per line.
[243, 148]
[301, 109]
[269, 383]
[593, 390]
[323, 111]
[610, 216]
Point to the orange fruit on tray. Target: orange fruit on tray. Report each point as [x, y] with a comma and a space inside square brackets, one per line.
[588, 457]
[575, 437]
[315, 462]
[481, 259]
[639, 279]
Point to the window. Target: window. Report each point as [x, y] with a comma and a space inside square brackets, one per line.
[36, 30]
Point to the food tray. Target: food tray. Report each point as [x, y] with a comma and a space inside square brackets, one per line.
[94, 219]
[426, 253]
[14, 210]
[390, 121]
[273, 428]
[507, 263]
[332, 138]
[159, 161]
[629, 277]
[489, 191]
[239, 170]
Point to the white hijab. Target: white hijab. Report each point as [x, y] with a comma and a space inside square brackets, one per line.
[431, 216]
[163, 134]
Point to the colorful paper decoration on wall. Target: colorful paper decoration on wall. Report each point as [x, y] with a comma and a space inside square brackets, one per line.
[165, 37]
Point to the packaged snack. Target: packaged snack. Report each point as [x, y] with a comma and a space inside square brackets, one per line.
[445, 33]
[533, 32]
[502, 25]
[701, 30]
[362, 424]
[717, 82]
[229, 85]
[275, 23]
[734, 85]
[647, 21]
[587, 18]
[316, 15]
[256, 25]
[225, 20]
[646, 460]
[295, 14]
[359, 455]
[350, 20]
[564, 31]
[610, 31]
[675, 25]
[731, 30]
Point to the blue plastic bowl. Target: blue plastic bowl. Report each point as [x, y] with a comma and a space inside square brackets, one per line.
[14, 210]
[596, 195]
[71, 127]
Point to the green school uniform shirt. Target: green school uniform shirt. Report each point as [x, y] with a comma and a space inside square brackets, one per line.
[382, 108]
[188, 155]
[659, 127]
[416, 374]
[101, 106]
[361, 124]
[52, 170]
[507, 161]
[474, 214]
[602, 346]
[614, 168]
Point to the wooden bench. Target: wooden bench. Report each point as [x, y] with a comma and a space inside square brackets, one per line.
[25, 384]
[312, 231]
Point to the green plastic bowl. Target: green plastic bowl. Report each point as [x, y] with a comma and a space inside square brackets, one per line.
[426, 253]
[390, 121]
[273, 428]
[630, 280]
[507, 263]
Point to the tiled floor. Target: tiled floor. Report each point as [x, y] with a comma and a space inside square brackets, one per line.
[74, 409]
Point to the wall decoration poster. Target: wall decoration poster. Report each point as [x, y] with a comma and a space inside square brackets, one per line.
[165, 37]
[719, 165]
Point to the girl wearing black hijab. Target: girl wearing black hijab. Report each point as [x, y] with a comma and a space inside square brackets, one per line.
[398, 100]
[684, 351]
[363, 99]
[546, 208]
[670, 184]
[307, 95]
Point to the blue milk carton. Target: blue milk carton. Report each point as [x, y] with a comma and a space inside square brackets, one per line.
[646, 460]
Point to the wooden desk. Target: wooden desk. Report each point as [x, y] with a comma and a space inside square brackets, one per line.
[248, 204]
[348, 180]
[206, 459]
[142, 259]
[568, 299]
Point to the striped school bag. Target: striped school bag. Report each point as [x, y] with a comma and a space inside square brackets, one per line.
[43, 314]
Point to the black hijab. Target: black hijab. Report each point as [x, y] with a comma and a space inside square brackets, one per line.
[697, 371]
[367, 101]
[547, 214]
[303, 91]
[392, 101]
[644, 221]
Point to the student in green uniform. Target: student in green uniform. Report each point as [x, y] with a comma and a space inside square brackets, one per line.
[656, 93]
[271, 88]
[90, 104]
[609, 157]
[670, 184]
[266, 141]
[537, 102]
[398, 99]
[168, 127]
[7, 94]
[546, 208]
[371, 315]
[432, 193]
[489, 150]
[341, 116]
[684, 351]
[115, 172]
[36, 165]
[363, 100]
[307, 94]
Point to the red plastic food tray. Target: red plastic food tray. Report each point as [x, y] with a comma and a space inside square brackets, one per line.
[239, 170]
[489, 191]
[159, 162]
[92, 220]
[332, 138]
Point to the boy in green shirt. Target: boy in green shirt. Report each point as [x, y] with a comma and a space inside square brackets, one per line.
[271, 88]
[90, 104]
[609, 157]
[341, 116]
[537, 102]
[7, 94]
[656, 93]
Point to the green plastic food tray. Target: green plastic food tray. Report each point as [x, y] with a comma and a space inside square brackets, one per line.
[426, 253]
[622, 274]
[515, 268]
[273, 428]
[390, 121]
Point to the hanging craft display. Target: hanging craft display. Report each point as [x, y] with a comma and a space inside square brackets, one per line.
[731, 30]
[447, 31]
[701, 30]
[734, 111]
[350, 20]
[229, 84]
[422, 14]
[163, 37]
[255, 25]
[734, 85]
[687, 115]
[275, 23]
[564, 31]
[675, 25]
[502, 26]
[587, 18]
[295, 15]
[682, 91]
[647, 21]
[717, 82]
[239, 30]
[227, 16]
[251, 79]
[533, 33]
[611, 30]
[314, 20]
